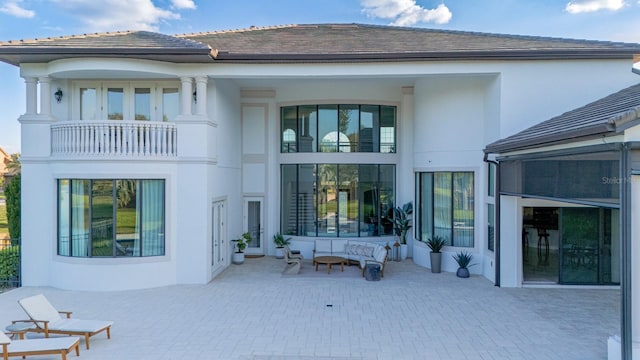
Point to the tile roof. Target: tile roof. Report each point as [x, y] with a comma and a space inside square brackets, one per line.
[609, 115]
[135, 44]
[312, 42]
[375, 42]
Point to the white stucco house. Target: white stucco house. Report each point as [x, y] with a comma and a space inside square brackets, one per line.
[144, 154]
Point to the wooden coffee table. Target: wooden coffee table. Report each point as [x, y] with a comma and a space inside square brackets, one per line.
[329, 260]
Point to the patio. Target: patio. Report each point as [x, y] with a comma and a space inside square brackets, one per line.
[252, 311]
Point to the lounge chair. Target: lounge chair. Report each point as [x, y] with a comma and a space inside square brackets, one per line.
[293, 262]
[48, 320]
[45, 346]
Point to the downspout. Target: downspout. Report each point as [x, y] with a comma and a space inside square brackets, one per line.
[496, 232]
[626, 339]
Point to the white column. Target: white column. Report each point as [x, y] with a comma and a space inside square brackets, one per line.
[187, 93]
[635, 266]
[45, 95]
[201, 89]
[32, 95]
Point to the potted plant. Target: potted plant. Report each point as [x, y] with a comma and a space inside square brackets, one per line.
[402, 224]
[463, 259]
[436, 244]
[280, 242]
[241, 244]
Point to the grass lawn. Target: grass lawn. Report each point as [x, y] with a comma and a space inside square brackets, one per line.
[4, 226]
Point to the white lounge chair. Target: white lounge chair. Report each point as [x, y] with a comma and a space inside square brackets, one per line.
[48, 320]
[46, 346]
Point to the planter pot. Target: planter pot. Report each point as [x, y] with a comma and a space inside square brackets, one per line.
[436, 262]
[462, 273]
[237, 258]
[404, 250]
[279, 253]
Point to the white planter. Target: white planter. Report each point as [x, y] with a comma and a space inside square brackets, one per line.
[279, 253]
[237, 258]
[404, 251]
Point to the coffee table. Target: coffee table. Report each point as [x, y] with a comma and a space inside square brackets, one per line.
[329, 260]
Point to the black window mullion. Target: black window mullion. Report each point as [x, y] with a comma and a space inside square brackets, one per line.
[90, 245]
[113, 218]
[453, 175]
[139, 192]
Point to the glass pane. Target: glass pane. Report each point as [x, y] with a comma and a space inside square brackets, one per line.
[127, 218]
[327, 199]
[463, 209]
[115, 105]
[491, 191]
[387, 129]
[369, 201]
[611, 247]
[348, 125]
[170, 104]
[80, 218]
[289, 200]
[308, 125]
[369, 120]
[425, 207]
[152, 219]
[491, 223]
[386, 184]
[580, 245]
[102, 218]
[328, 128]
[63, 217]
[88, 104]
[307, 214]
[289, 129]
[348, 200]
[442, 206]
[253, 223]
[142, 103]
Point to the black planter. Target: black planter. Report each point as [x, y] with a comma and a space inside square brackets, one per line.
[462, 273]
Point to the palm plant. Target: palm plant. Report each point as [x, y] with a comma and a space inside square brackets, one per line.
[280, 240]
[463, 259]
[436, 243]
[402, 220]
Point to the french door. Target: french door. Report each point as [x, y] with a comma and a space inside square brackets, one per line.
[218, 219]
[253, 224]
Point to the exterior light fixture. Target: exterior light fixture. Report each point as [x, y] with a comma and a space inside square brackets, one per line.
[58, 94]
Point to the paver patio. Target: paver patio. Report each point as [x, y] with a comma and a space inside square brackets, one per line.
[251, 311]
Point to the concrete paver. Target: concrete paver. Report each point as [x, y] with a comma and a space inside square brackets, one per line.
[251, 311]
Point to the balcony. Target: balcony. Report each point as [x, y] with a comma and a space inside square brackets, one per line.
[114, 138]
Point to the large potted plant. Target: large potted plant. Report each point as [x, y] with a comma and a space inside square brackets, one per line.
[402, 224]
[436, 244]
[241, 244]
[280, 242]
[463, 259]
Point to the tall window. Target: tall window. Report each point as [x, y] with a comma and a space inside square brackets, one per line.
[338, 200]
[110, 218]
[444, 208]
[338, 128]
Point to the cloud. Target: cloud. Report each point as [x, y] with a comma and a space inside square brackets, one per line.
[405, 12]
[13, 8]
[184, 4]
[109, 15]
[584, 6]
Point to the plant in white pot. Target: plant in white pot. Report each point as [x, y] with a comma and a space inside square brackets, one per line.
[463, 259]
[402, 224]
[280, 242]
[241, 244]
[436, 244]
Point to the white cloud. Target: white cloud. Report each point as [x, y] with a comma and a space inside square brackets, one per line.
[184, 4]
[109, 15]
[405, 12]
[583, 6]
[13, 8]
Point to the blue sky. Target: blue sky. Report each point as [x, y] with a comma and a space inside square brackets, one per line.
[613, 20]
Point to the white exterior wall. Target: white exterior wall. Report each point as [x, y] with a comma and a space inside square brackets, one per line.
[447, 113]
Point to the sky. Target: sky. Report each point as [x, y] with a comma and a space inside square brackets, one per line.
[610, 20]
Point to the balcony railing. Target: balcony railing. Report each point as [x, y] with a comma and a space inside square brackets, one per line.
[114, 138]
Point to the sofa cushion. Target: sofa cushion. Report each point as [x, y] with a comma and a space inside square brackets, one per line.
[379, 253]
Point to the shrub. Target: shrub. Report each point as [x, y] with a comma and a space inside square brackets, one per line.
[12, 193]
[9, 263]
